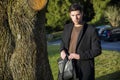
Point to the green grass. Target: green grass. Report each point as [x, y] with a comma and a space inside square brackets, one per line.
[107, 65]
[53, 52]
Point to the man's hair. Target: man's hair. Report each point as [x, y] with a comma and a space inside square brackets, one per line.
[76, 6]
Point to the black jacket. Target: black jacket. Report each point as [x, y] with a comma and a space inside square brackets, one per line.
[88, 46]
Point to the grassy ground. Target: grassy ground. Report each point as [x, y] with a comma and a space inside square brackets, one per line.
[107, 65]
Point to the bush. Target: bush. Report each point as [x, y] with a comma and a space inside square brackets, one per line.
[112, 13]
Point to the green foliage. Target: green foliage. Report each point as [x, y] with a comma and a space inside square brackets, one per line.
[57, 14]
[107, 65]
[112, 13]
[99, 7]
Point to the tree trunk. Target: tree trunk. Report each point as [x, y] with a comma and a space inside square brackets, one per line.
[23, 48]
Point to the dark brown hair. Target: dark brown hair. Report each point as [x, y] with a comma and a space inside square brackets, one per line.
[76, 6]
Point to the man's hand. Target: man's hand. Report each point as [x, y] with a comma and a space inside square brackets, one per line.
[74, 56]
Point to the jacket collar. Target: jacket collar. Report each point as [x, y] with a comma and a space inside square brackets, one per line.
[81, 34]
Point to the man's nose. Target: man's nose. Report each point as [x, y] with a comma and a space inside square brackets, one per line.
[76, 17]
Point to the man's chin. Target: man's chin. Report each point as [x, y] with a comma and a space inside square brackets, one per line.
[76, 23]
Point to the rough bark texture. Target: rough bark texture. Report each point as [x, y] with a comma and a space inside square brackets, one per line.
[23, 48]
[6, 43]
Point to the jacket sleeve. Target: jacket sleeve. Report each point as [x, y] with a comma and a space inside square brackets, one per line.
[62, 44]
[95, 47]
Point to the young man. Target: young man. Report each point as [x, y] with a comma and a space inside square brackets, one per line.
[81, 41]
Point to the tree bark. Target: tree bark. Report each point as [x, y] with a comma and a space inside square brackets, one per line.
[6, 43]
[23, 48]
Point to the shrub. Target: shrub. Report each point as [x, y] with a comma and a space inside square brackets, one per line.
[112, 13]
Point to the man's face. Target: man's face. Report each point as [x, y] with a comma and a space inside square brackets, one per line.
[76, 16]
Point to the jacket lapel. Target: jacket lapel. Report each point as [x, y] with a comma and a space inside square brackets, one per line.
[69, 34]
[81, 34]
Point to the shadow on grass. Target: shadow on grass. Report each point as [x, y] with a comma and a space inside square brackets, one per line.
[53, 50]
[112, 76]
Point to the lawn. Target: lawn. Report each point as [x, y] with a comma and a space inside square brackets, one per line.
[107, 65]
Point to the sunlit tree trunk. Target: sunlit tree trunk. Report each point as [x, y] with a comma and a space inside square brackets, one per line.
[23, 48]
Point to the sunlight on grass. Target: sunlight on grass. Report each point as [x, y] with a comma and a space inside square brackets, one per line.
[107, 65]
[53, 52]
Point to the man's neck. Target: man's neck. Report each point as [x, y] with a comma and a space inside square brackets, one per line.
[78, 25]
